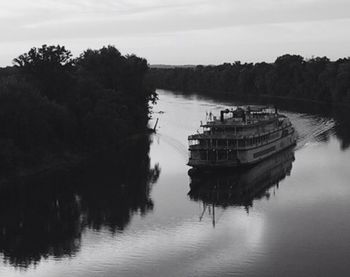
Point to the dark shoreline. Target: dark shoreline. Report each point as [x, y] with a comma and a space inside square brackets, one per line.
[73, 163]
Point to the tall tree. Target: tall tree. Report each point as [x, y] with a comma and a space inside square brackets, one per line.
[49, 68]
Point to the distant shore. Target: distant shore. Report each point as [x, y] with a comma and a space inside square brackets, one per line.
[317, 80]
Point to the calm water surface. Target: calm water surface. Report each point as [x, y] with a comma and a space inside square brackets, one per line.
[289, 216]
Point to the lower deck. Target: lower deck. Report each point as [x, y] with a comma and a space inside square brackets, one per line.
[238, 157]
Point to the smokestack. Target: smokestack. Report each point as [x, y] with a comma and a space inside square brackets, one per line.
[222, 114]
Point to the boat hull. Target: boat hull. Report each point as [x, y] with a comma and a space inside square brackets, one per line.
[248, 157]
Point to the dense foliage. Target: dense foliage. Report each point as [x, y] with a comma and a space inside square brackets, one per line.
[53, 107]
[290, 76]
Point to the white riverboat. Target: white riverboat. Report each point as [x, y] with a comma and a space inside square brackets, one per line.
[248, 136]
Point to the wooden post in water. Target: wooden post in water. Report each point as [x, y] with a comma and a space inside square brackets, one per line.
[213, 215]
[155, 125]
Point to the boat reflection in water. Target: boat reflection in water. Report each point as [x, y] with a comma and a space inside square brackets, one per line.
[240, 187]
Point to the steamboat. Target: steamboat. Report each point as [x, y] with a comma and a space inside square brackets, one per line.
[245, 137]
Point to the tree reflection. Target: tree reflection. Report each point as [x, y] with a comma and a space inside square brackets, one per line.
[241, 187]
[45, 216]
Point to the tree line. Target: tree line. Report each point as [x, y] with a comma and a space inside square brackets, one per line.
[54, 107]
[290, 76]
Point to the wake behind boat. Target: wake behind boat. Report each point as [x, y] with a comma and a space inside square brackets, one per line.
[248, 136]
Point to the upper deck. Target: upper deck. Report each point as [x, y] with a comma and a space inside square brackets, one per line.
[250, 120]
[243, 122]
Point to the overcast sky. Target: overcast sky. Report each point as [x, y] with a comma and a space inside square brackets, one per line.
[180, 31]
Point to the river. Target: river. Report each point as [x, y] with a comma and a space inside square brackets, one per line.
[289, 216]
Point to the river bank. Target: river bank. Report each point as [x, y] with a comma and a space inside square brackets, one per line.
[72, 163]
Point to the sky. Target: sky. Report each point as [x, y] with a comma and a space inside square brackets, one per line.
[179, 31]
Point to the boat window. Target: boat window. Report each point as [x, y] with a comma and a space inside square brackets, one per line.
[241, 143]
[221, 142]
[232, 155]
[203, 155]
[222, 155]
[194, 142]
[203, 142]
[232, 142]
[195, 155]
[212, 155]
